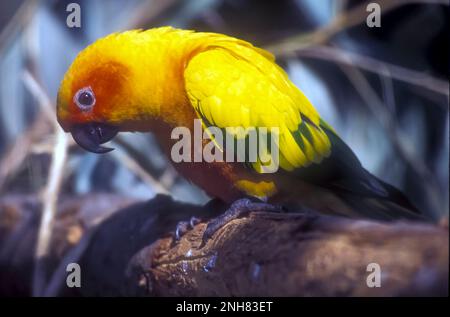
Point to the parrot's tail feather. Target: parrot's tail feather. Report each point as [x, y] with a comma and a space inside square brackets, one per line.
[385, 203]
[397, 197]
[368, 196]
[380, 209]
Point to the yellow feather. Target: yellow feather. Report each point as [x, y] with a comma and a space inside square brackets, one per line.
[254, 91]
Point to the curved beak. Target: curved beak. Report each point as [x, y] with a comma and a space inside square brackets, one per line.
[90, 135]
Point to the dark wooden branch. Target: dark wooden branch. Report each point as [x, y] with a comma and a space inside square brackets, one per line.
[132, 252]
[267, 254]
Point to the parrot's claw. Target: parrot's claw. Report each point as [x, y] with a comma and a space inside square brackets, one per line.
[238, 209]
[194, 221]
[181, 229]
[185, 226]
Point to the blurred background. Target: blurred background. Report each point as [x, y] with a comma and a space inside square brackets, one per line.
[385, 90]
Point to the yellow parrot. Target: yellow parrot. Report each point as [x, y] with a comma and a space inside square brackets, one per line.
[164, 78]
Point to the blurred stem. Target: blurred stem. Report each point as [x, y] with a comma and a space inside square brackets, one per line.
[49, 201]
[138, 170]
[148, 11]
[52, 188]
[334, 54]
[18, 151]
[138, 163]
[32, 84]
[380, 112]
[19, 20]
[341, 22]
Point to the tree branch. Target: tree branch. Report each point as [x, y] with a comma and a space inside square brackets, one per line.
[264, 254]
[268, 254]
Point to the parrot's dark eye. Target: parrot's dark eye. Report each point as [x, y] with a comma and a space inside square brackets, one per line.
[84, 98]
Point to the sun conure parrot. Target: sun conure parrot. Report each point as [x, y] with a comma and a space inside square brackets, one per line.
[159, 79]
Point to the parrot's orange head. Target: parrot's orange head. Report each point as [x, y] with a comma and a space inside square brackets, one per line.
[91, 95]
[104, 91]
[85, 100]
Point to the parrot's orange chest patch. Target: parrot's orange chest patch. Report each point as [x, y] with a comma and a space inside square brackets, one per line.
[106, 81]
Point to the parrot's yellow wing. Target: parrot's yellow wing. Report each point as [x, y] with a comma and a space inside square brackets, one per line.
[237, 85]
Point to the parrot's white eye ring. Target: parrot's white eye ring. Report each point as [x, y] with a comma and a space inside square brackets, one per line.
[84, 99]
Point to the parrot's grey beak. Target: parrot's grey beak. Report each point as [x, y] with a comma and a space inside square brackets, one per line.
[90, 135]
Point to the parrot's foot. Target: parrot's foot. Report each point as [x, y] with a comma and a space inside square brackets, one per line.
[238, 209]
[185, 226]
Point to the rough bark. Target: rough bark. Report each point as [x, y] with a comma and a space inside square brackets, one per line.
[266, 254]
[132, 252]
